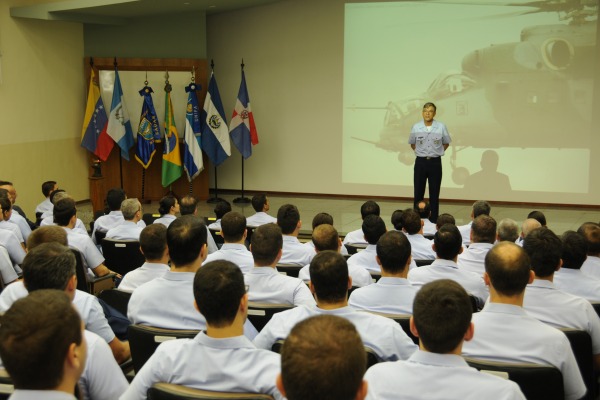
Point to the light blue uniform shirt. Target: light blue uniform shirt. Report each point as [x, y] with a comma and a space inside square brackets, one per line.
[388, 295]
[236, 253]
[266, 285]
[429, 144]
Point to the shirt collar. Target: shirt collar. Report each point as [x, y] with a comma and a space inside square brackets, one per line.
[235, 342]
[156, 266]
[438, 262]
[501, 308]
[233, 246]
[442, 360]
[541, 283]
[390, 280]
[291, 239]
[263, 271]
[179, 276]
[118, 213]
[480, 246]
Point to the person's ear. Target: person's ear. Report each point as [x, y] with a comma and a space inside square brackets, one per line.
[279, 384]
[470, 332]
[413, 327]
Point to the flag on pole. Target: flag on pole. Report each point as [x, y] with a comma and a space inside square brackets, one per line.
[215, 135]
[148, 131]
[93, 134]
[192, 153]
[242, 128]
[119, 126]
[171, 164]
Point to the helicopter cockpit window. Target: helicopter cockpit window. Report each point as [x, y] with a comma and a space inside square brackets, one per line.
[450, 84]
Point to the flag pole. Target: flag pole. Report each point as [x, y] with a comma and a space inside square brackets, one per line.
[243, 199]
[215, 199]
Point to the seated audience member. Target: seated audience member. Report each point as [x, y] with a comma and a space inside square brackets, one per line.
[591, 233]
[260, 203]
[373, 228]
[442, 322]
[447, 246]
[294, 252]
[412, 226]
[233, 229]
[13, 247]
[18, 216]
[337, 373]
[570, 278]
[424, 213]
[508, 230]
[168, 206]
[320, 219]
[325, 237]
[528, 225]
[483, 236]
[507, 273]
[114, 198]
[550, 305]
[265, 284]
[219, 358]
[48, 216]
[444, 219]
[132, 225]
[221, 208]
[396, 220]
[480, 207]
[47, 188]
[358, 237]
[52, 266]
[539, 216]
[330, 283]
[392, 293]
[189, 206]
[5, 213]
[153, 245]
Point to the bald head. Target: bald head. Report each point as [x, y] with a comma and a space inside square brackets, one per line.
[508, 268]
[528, 225]
[325, 237]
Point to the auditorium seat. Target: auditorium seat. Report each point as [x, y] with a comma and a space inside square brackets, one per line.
[289, 269]
[169, 391]
[260, 313]
[122, 256]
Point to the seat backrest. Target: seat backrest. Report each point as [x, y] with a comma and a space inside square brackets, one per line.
[260, 313]
[6, 385]
[536, 381]
[99, 236]
[581, 344]
[219, 240]
[355, 248]
[143, 341]
[149, 218]
[169, 391]
[289, 269]
[596, 308]
[122, 256]
[372, 357]
[421, 263]
[118, 299]
[375, 275]
[80, 272]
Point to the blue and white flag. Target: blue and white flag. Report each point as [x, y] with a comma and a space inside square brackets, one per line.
[192, 153]
[242, 128]
[148, 130]
[215, 134]
[119, 126]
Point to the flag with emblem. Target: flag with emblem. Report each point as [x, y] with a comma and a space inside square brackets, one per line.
[93, 135]
[148, 130]
[171, 164]
[215, 135]
[192, 153]
[119, 126]
[242, 128]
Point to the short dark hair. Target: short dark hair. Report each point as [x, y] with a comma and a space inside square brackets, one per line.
[5, 204]
[114, 198]
[322, 218]
[591, 232]
[544, 249]
[442, 314]
[429, 104]
[265, 244]
[574, 250]
[425, 211]
[288, 217]
[396, 219]
[187, 205]
[47, 234]
[337, 372]
[444, 219]
[48, 187]
[233, 226]
[484, 229]
[447, 241]
[64, 210]
[508, 230]
[222, 208]
[6, 183]
[185, 238]
[153, 241]
[481, 207]
[48, 266]
[218, 290]
[373, 227]
[165, 204]
[329, 276]
[35, 335]
[411, 222]
[508, 268]
[325, 237]
[393, 250]
[369, 208]
[259, 201]
[538, 216]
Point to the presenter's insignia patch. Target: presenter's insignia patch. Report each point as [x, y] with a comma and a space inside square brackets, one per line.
[436, 142]
[189, 108]
[244, 114]
[214, 121]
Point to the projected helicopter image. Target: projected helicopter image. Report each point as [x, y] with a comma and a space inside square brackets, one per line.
[533, 93]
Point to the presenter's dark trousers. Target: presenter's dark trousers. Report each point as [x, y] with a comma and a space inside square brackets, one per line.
[428, 168]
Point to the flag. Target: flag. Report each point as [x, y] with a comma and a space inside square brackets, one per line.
[215, 135]
[242, 128]
[93, 134]
[119, 126]
[148, 131]
[192, 153]
[171, 165]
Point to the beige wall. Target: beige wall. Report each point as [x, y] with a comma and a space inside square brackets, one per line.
[42, 100]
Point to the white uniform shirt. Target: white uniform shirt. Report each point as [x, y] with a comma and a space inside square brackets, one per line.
[429, 228]
[11, 243]
[12, 228]
[113, 220]
[429, 142]
[165, 219]
[236, 253]
[591, 267]
[266, 285]
[21, 223]
[388, 295]
[260, 218]
[139, 276]
[215, 226]
[295, 252]
[360, 276]
[92, 257]
[465, 231]
[506, 333]
[473, 258]
[8, 272]
[127, 230]
[435, 376]
[21, 394]
[79, 226]
[577, 283]
[227, 365]
[421, 247]
[44, 206]
[365, 259]
[383, 335]
[355, 237]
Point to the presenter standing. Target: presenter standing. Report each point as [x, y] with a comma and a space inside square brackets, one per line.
[429, 139]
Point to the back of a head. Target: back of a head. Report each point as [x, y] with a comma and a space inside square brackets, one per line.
[322, 358]
[444, 219]
[484, 229]
[266, 243]
[481, 207]
[129, 207]
[396, 219]
[47, 234]
[165, 204]
[259, 201]
[57, 195]
[529, 225]
[574, 250]
[329, 276]
[288, 217]
[185, 238]
[322, 218]
[233, 226]
[48, 187]
[442, 313]
[448, 242]
[153, 241]
[508, 230]
[424, 209]
[325, 237]
[64, 210]
[393, 250]
[35, 336]
[508, 267]
[114, 198]
[538, 216]
[369, 208]
[48, 266]
[5, 204]
[188, 205]
[373, 227]
[221, 208]
[591, 233]
[544, 249]
[218, 289]
[411, 222]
